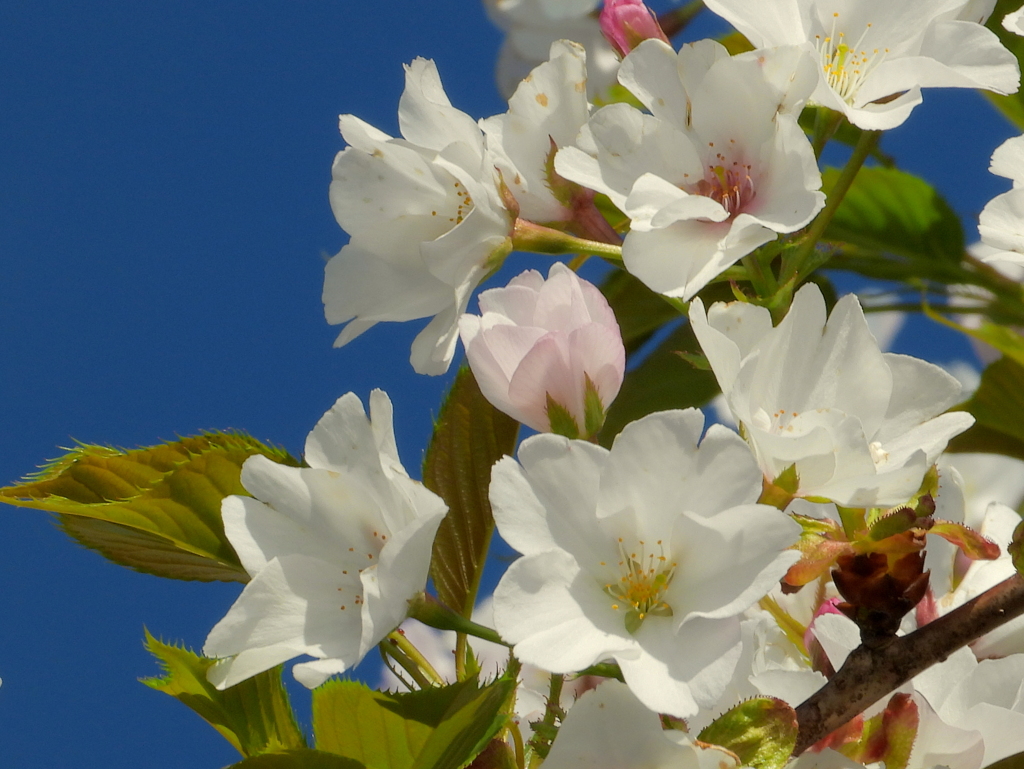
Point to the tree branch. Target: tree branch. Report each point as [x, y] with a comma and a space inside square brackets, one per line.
[871, 673]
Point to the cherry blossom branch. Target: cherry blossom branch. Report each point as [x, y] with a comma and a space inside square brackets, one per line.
[871, 673]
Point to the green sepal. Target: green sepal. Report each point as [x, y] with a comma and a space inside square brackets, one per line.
[440, 728]
[893, 212]
[561, 421]
[470, 435]
[894, 522]
[298, 759]
[155, 509]
[593, 408]
[762, 732]
[255, 716]
[780, 492]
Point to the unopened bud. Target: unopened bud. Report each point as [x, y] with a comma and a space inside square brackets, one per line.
[547, 352]
[627, 23]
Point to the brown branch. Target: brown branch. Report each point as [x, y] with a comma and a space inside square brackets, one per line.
[871, 673]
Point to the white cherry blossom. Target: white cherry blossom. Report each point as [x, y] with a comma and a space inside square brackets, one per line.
[1014, 22]
[335, 550]
[646, 553]
[1001, 223]
[861, 426]
[531, 26]
[548, 108]
[875, 56]
[717, 169]
[986, 697]
[609, 728]
[425, 217]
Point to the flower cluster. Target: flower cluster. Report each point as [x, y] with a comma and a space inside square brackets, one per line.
[700, 566]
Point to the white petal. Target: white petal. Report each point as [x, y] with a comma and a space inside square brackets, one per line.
[558, 618]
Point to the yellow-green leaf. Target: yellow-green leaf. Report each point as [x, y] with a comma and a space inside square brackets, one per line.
[441, 728]
[761, 731]
[255, 716]
[155, 509]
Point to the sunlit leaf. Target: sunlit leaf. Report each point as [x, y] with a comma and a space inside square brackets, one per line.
[255, 716]
[441, 728]
[894, 212]
[155, 509]
[761, 731]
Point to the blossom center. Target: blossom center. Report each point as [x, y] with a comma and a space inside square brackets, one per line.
[643, 579]
[847, 66]
[727, 183]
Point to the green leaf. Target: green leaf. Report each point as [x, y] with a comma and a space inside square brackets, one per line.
[761, 731]
[442, 728]
[469, 437]
[255, 716]
[1012, 106]
[638, 310]
[998, 407]
[156, 509]
[298, 759]
[894, 212]
[1004, 339]
[663, 381]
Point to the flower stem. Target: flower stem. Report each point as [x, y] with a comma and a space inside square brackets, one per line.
[432, 612]
[795, 261]
[826, 123]
[870, 673]
[527, 236]
[401, 650]
[517, 743]
[545, 729]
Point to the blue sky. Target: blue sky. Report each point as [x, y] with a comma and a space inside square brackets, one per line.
[163, 228]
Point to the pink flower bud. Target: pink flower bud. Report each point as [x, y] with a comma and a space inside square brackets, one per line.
[627, 23]
[547, 352]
